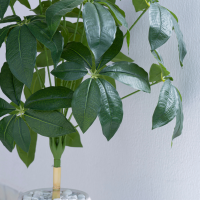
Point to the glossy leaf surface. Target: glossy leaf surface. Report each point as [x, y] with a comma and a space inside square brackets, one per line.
[73, 140]
[21, 54]
[51, 98]
[129, 74]
[21, 134]
[3, 5]
[6, 129]
[157, 73]
[41, 59]
[179, 119]
[100, 28]
[108, 79]
[5, 107]
[111, 112]
[48, 123]
[40, 31]
[28, 157]
[69, 71]
[140, 4]
[12, 18]
[160, 26]
[85, 104]
[3, 33]
[112, 51]
[57, 10]
[167, 105]
[121, 57]
[116, 14]
[77, 52]
[35, 85]
[181, 43]
[10, 86]
[25, 3]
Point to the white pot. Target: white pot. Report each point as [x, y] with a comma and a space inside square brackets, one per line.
[77, 192]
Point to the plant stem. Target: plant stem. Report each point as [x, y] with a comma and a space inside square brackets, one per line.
[79, 14]
[13, 10]
[136, 21]
[40, 7]
[39, 78]
[47, 59]
[136, 92]
[70, 116]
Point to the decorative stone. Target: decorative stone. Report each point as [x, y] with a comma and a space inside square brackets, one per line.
[67, 192]
[73, 197]
[58, 199]
[81, 197]
[27, 198]
[34, 198]
[38, 194]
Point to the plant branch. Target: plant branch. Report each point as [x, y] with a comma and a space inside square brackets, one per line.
[13, 10]
[39, 78]
[79, 14]
[136, 92]
[136, 21]
[40, 7]
[47, 59]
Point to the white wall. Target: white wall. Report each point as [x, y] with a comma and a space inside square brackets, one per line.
[137, 163]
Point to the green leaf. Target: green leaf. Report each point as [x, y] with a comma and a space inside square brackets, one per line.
[21, 134]
[12, 2]
[74, 13]
[77, 52]
[6, 129]
[73, 85]
[160, 26]
[129, 74]
[100, 28]
[35, 85]
[158, 57]
[25, 3]
[167, 105]
[10, 86]
[116, 14]
[85, 104]
[40, 31]
[140, 4]
[51, 98]
[3, 33]
[121, 57]
[5, 107]
[65, 34]
[73, 140]
[57, 10]
[69, 71]
[111, 112]
[128, 38]
[21, 50]
[28, 157]
[112, 51]
[41, 59]
[12, 18]
[48, 123]
[179, 119]
[3, 5]
[181, 43]
[157, 73]
[173, 14]
[110, 80]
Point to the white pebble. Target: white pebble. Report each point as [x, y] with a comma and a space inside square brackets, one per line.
[73, 197]
[67, 192]
[81, 196]
[37, 193]
[57, 199]
[27, 198]
[34, 198]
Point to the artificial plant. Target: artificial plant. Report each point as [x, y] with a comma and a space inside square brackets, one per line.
[91, 48]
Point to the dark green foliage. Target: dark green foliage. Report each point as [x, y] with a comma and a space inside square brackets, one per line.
[51, 98]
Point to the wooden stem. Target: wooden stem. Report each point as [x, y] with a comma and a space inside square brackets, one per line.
[56, 182]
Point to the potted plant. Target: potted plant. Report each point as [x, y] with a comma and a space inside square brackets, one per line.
[84, 78]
